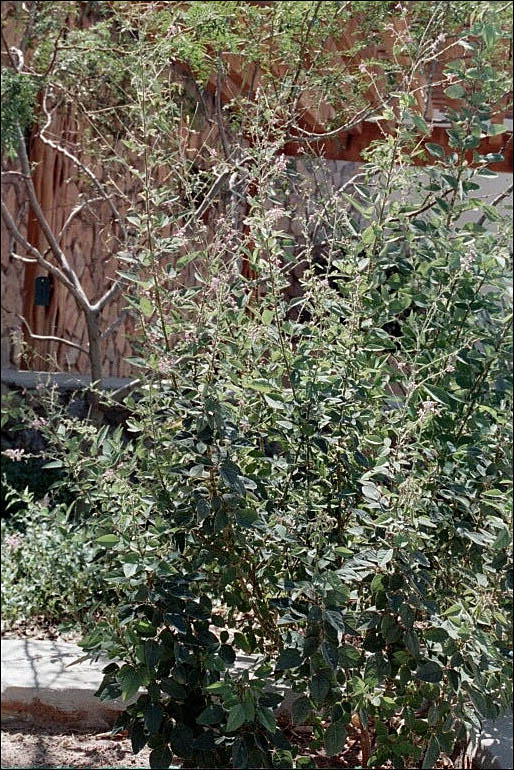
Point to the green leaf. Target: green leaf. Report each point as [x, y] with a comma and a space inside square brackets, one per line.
[288, 658]
[319, 687]
[220, 520]
[212, 715]
[496, 128]
[153, 653]
[334, 618]
[181, 739]
[267, 719]
[160, 758]
[432, 754]
[420, 124]
[129, 570]
[227, 654]
[455, 91]
[371, 491]
[249, 707]
[173, 688]
[146, 307]
[384, 556]
[239, 755]
[349, 656]
[412, 643]
[236, 718]
[261, 386]
[368, 236]
[330, 654]
[138, 738]
[438, 394]
[108, 540]
[301, 710]
[153, 716]
[335, 737]
[407, 615]
[230, 473]
[365, 212]
[435, 149]
[429, 672]
[130, 681]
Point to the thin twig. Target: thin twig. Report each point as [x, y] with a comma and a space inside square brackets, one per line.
[50, 337]
[36, 255]
[496, 201]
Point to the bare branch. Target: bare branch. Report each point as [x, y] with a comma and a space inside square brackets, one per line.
[72, 278]
[82, 166]
[50, 337]
[36, 255]
[75, 212]
[109, 295]
[117, 395]
[219, 116]
[496, 201]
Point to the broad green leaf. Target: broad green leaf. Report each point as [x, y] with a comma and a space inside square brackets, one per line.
[160, 758]
[496, 128]
[212, 715]
[146, 307]
[153, 653]
[429, 672]
[435, 149]
[288, 658]
[239, 755]
[431, 754]
[455, 91]
[138, 738]
[301, 710]
[108, 540]
[130, 681]
[335, 737]
[412, 643]
[153, 715]
[319, 687]
[420, 124]
[267, 719]
[236, 718]
[230, 473]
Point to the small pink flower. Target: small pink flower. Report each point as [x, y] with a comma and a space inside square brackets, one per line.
[12, 541]
[39, 422]
[466, 262]
[274, 215]
[281, 163]
[109, 475]
[166, 365]
[14, 454]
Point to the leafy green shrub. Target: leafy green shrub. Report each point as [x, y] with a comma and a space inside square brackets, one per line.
[18, 107]
[46, 565]
[320, 482]
[26, 474]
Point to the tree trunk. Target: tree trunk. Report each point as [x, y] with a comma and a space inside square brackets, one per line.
[95, 362]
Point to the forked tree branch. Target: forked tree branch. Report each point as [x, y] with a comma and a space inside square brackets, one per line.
[496, 201]
[50, 337]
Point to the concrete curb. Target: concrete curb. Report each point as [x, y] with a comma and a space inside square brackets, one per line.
[495, 749]
[38, 683]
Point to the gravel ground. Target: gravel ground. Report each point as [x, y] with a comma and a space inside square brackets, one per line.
[26, 746]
